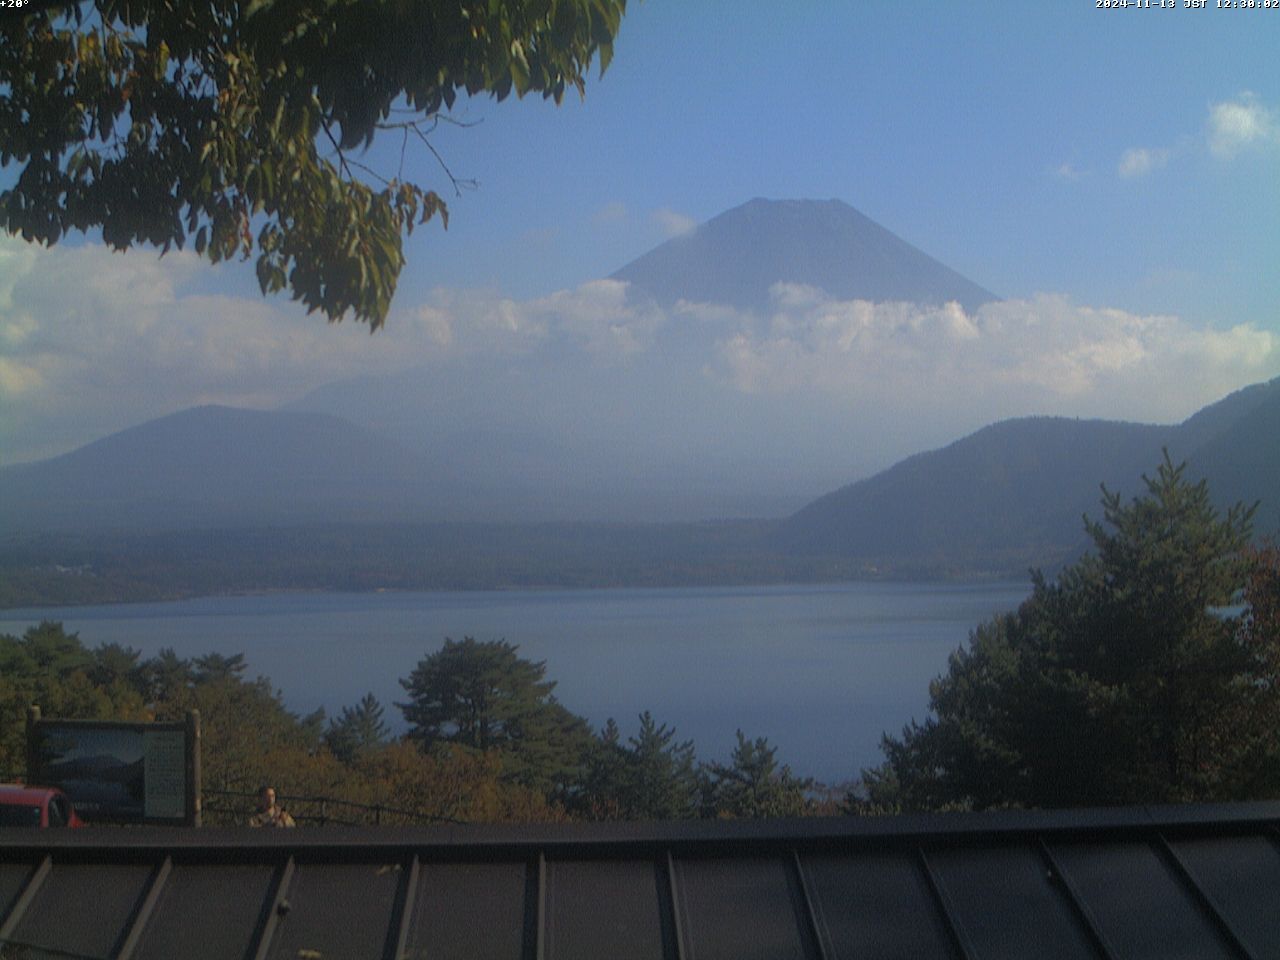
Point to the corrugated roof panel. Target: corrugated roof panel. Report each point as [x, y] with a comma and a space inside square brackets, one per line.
[607, 908]
[1142, 908]
[13, 880]
[337, 910]
[469, 911]
[1008, 905]
[84, 908]
[207, 910]
[1038, 885]
[746, 908]
[1241, 875]
[876, 905]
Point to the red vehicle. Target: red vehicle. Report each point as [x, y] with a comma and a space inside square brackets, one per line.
[23, 806]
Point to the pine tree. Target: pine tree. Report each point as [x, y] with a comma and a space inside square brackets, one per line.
[662, 781]
[357, 730]
[753, 784]
[484, 697]
[652, 776]
[1125, 680]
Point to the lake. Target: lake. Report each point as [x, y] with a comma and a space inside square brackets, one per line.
[822, 671]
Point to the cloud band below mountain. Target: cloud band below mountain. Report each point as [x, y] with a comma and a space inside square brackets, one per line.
[1045, 354]
[92, 342]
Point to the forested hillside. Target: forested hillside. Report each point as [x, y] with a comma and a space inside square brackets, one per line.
[1015, 491]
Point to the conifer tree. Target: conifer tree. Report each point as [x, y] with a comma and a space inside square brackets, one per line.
[357, 730]
[662, 783]
[1125, 680]
[753, 784]
[652, 776]
[484, 696]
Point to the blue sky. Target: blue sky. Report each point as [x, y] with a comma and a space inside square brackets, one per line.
[989, 134]
[1113, 173]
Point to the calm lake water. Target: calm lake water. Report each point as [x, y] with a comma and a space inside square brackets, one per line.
[821, 671]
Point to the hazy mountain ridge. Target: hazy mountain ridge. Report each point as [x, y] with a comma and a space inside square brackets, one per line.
[1019, 486]
[994, 503]
[214, 466]
[1241, 460]
[1206, 424]
[1022, 486]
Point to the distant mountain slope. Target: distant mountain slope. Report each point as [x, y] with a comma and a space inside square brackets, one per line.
[217, 465]
[1020, 487]
[1207, 424]
[736, 257]
[1241, 459]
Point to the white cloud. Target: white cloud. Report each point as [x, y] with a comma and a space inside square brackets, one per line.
[18, 378]
[16, 260]
[1233, 127]
[673, 224]
[436, 323]
[706, 313]
[1069, 172]
[1240, 123]
[468, 320]
[598, 317]
[1008, 358]
[1139, 161]
[595, 318]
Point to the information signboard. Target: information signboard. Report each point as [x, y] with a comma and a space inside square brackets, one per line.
[119, 772]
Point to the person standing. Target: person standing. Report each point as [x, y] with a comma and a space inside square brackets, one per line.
[269, 813]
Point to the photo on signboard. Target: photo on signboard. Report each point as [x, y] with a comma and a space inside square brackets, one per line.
[100, 767]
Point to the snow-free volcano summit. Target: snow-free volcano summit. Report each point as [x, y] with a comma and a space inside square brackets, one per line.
[736, 258]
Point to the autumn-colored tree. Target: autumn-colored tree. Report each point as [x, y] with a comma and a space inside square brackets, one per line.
[242, 721]
[450, 783]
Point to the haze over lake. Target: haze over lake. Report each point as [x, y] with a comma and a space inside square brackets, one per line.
[822, 671]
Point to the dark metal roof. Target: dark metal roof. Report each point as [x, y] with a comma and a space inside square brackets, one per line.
[1166, 883]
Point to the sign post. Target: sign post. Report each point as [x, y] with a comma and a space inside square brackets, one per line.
[120, 772]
